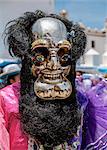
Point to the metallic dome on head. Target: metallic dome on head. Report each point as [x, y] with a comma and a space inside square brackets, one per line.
[51, 28]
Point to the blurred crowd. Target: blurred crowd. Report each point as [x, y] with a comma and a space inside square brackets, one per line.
[87, 80]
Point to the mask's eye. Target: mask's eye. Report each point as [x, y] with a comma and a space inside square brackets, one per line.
[65, 57]
[40, 58]
[40, 55]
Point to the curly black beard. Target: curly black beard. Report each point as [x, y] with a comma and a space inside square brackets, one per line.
[49, 122]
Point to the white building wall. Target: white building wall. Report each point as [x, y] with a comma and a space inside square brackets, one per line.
[99, 43]
[11, 9]
[104, 60]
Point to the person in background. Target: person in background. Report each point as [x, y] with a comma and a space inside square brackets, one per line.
[1, 80]
[78, 79]
[87, 83]
[105, 76]
[95, 122]
[79, 73]
[10, 74]
[95, 79]
[2, 83]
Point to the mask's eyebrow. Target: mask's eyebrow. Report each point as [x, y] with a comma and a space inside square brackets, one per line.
[64, 44]
[40, 43]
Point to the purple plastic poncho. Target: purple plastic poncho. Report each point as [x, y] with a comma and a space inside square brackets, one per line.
[96, 118]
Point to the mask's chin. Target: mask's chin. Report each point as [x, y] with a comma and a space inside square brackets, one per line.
[50, 87]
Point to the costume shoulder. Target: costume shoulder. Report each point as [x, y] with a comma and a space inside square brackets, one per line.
[10, 96]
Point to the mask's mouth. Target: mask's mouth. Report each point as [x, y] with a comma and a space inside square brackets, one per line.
[52, 77]
[52, 86]
[53, 94]
[54, 72]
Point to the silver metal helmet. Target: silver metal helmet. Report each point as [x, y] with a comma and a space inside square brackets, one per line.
[50, 27]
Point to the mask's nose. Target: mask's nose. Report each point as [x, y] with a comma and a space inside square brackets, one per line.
[53, 63]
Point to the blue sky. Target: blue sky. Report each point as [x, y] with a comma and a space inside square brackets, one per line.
[91, 12]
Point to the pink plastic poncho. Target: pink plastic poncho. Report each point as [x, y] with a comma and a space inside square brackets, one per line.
[11, 135]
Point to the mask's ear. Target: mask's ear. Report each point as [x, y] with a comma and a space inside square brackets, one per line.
[18, 33]
[78, 38]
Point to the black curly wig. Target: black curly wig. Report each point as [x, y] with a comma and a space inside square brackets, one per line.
[50, 122]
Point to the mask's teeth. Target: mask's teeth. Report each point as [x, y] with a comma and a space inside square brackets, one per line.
[52, 77]
[53, 93]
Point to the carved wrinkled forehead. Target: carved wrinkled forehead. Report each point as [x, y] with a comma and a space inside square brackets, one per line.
[50, 27]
